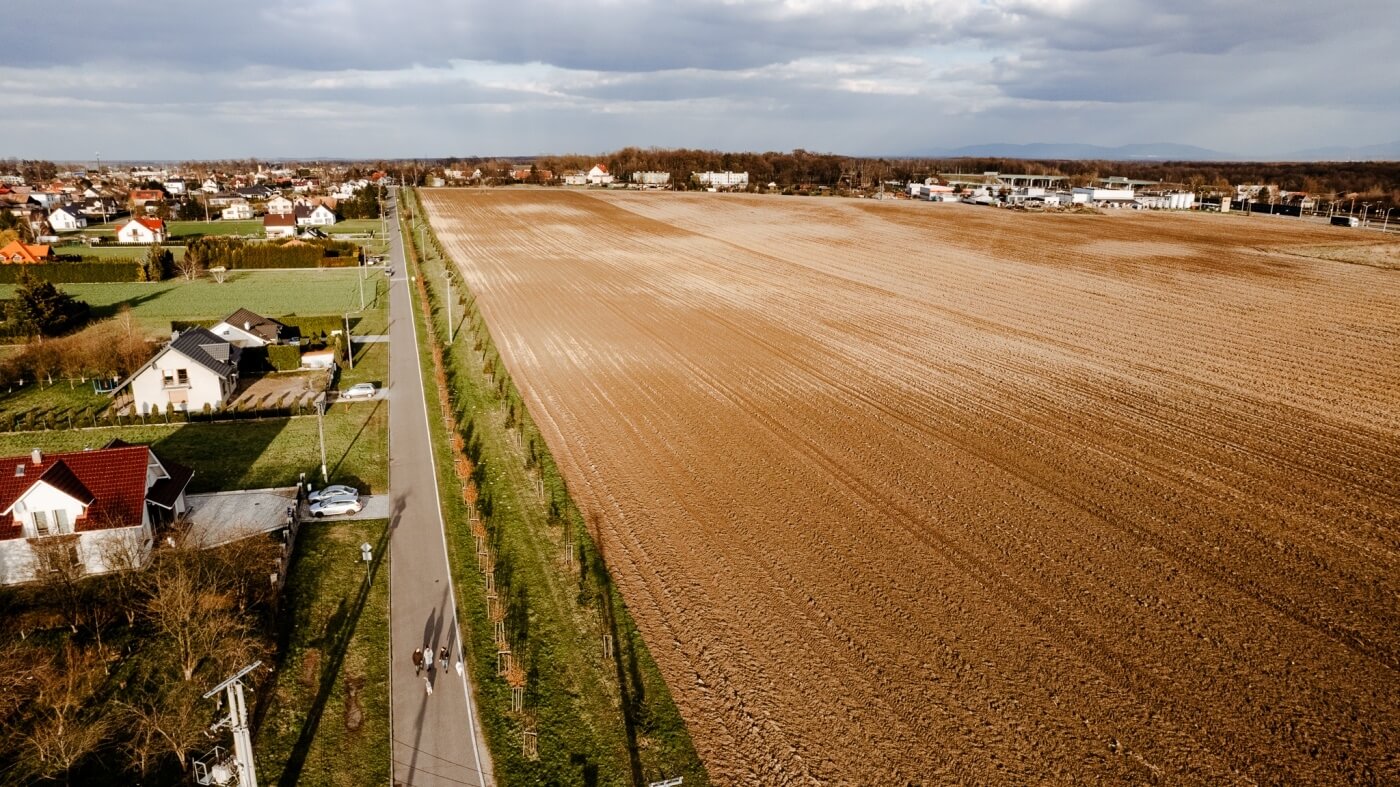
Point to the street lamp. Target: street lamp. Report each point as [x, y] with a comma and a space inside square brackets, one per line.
[1365, 207]
[1386, 223]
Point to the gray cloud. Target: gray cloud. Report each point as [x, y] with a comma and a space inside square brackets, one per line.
[859, 76]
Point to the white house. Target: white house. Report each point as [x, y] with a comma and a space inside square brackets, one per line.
[142, 230]
[90, 510]
[579, 178]
[279, 225]
[279, 205]
[598, 176]
[649, 178]
[319, 216]
[238, 211]
[723, 180]
[210, 186]
[247, 329]
[175, 187]
[67, 219]
[195, 369]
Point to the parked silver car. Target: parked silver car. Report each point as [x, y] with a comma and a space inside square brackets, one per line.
[334, 490]
[336, 506]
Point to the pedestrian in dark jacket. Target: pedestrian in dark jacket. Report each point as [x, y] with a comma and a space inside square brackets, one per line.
[417, 660]
[442, 656]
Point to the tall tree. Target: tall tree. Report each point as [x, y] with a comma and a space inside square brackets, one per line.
[41, 307]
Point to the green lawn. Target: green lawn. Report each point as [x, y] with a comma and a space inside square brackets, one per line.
[133, 251]
[356, 226]
[270, 293]
[248, 454]
[371, 366]
[336, 614]
[182, 229]
[40, 400]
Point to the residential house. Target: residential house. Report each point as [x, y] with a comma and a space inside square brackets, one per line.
[319, 216]
[238, 211]
[67, 219]
[653, 179]
[279, 204]
[48, 200]
[722, 180]
[598, 176]
[139, 199]
[176, 187]
[15, 252]
[223, 199]
[100, 208]
[579, 178]
[142, 230]
[210, 186]
[256, 193]
[244, 328]
[195, 369]
[92, 510]
[279, 225]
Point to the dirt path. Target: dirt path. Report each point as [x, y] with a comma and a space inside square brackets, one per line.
[939, 493]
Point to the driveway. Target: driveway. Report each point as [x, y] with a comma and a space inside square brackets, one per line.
[219, 518]
[376, 507]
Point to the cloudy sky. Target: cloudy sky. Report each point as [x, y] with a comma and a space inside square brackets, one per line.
[359, 78]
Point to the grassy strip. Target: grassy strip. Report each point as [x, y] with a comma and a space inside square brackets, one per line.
[326, 720]
[195, 229]
[272, 293]
[249, 454]
[604, 719]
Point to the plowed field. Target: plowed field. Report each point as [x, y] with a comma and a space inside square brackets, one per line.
[913, 493]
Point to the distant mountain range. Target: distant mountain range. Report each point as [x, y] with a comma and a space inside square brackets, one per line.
[1163, 151]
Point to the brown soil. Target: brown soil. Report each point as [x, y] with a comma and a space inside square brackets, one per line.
[906, 493]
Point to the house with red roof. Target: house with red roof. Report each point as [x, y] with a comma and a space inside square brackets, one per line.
[142, 230]
[599, 176]
[15, 252]
[95, 510]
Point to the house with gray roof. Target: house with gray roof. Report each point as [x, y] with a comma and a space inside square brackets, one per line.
[249, 329]
[195, 369]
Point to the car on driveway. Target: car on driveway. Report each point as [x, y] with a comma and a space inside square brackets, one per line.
[358, 391]
[336, 506]
[335, 490]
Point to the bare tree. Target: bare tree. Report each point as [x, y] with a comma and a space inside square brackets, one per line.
[188, 604]
[190, 266]
[58, 569]
[64, 730]
[174, 722]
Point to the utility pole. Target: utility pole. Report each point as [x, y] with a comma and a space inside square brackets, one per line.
[321, 430]
[238, 722]
[349, 345]
[447, 279]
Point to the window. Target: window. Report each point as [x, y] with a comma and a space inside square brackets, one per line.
[184, 376]
[168, 376]
[41, 523]
[60, 520]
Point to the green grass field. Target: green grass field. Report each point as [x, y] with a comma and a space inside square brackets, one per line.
[356, 226]
[269, 293]
[191, 229]
[130, 252]
[248, 454]
[337, 617]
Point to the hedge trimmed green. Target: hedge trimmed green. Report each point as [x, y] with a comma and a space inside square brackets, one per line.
[73, 272]
[284, 357]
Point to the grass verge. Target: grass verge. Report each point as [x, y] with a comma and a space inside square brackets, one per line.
[606, 719]
[326, 717]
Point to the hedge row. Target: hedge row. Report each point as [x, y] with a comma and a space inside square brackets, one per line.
[73, 272]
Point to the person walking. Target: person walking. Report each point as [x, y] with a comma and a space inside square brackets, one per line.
[417, 660]
[442, 657]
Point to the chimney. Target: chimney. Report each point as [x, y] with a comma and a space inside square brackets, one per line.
[247, 325]
[36, 456]
[174, 335]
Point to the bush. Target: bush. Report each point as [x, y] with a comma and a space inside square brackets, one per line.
[284, 357]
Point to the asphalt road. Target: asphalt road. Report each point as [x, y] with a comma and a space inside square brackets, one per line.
[437, 740]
